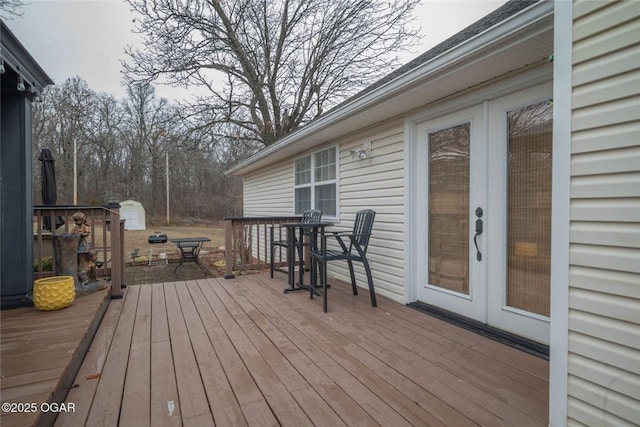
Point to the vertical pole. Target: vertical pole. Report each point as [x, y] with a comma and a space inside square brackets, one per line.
[75, 172]
[121, 256]
[167, 164]
[228, 249]
[117, 257]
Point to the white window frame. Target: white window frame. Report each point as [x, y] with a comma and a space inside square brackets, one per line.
[313, 183]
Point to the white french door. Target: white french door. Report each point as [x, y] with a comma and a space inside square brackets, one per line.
[452, 182]
[486, 189]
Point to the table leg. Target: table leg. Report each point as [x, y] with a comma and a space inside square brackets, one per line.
[313, 270]
[290, 260]
[181, 258]
[300, 257]
[196, 252]
[313, 245]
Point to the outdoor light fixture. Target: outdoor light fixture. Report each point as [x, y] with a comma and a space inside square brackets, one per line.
[1, 67]
[20, 85]
[361, 153]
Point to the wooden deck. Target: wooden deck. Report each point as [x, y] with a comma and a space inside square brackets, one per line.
[240, 352]
[41, 353]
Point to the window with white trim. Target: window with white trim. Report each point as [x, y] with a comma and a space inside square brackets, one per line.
[315, 183]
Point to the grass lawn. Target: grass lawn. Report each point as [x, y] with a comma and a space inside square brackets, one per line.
[210, 257]
[137, 239]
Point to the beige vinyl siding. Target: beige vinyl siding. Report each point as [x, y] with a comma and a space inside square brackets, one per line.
[269, 192]
[373, 183]
[604, 293]
[376, 183]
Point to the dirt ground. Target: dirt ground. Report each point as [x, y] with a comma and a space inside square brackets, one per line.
[137, 250]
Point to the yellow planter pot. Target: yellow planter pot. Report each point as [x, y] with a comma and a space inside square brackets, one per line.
[53, 293]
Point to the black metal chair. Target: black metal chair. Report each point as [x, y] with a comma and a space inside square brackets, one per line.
[355, 251]
[309, 216]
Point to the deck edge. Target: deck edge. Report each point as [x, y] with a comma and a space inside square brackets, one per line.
[59, 394]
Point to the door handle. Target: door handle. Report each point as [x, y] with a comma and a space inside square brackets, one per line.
[479, 227]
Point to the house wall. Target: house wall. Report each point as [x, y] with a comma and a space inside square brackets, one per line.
[269, 192]
[604, 275]
[376, 183]
[373, 183]
[16, 226]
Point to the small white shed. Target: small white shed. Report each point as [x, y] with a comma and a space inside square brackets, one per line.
[134, 214]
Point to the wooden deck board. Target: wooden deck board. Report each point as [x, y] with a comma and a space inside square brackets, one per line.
[342, 344]
[246, 392]
[224, 407]
[165, 404]
[191, 392]
[86, 382]
[343, 318]
[275, 393]
[136, 398]
[30, 377]
[41, 353]
[240, 352]
[468, 371]
[351, 374]
[338, 347]
[307, 357]
[105, 409]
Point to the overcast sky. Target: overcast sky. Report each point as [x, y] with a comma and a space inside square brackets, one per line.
[87, 37]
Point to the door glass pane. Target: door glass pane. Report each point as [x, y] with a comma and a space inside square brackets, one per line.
[529, 208]
[449, 208]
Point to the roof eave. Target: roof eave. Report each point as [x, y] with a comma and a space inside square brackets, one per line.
[18, 58]
[448, 59]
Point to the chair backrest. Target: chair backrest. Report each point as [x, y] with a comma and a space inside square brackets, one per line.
[311, 216]
[362, 227]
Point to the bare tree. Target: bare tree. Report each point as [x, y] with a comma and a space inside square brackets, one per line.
[269, 65]
[147, 131]
[100, 128]
[11, 8]
[58, 123]
[121, 146]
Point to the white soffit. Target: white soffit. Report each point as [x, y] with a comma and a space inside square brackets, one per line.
[522, 40]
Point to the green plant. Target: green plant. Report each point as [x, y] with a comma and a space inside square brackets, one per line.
[47, 264]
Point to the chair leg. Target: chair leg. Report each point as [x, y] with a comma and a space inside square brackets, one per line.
[324, 286]
[353, 277]
[367, 269]
[271, 265]
[311, 287]
[300, 256]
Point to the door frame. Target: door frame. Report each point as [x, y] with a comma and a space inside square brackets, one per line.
[500, 315]
[474, 305]
[414, 189]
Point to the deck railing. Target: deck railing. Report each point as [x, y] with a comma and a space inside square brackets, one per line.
[106, 239]
[247, 242]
